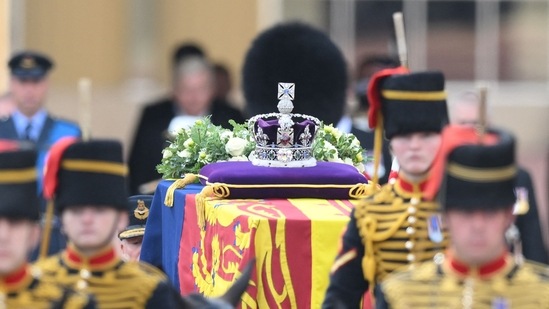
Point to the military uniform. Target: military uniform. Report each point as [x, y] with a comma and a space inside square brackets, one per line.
[450, 284]
[397, 225]
[478, 177]
[114, 283]
[25, 287]
[92, 173]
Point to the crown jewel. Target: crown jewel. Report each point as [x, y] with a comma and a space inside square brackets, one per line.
[281, 141]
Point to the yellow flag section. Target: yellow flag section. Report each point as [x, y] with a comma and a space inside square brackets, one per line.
[294, 241]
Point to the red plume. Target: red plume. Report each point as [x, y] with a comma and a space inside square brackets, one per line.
[453, 136]
[53, 162]
[374, 95]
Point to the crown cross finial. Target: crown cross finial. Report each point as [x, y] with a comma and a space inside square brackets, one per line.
[286, 93]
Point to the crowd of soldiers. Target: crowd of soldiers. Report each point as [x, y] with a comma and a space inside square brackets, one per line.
[453, 180]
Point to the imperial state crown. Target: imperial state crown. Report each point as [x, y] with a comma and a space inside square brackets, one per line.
[283, 139]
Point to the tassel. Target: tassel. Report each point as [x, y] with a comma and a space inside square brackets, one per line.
[200, 198]
[178, 184]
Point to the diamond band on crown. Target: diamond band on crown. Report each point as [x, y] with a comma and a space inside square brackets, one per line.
[281, 141]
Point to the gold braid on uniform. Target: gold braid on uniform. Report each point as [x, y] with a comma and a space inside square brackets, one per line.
[113, 283]
[430, 285]
[393, 228]
[27, 289]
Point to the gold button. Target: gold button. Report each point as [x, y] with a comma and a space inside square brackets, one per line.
[410, 257]
[85, 274]
[410, 230]
[412, 219]
[409, 245]
[411, 210]
[414, 201]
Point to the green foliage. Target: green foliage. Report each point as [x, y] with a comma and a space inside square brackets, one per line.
[205, 143]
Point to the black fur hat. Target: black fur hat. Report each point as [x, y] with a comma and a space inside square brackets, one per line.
[300, 54]
[86, 173]
[481, 176]
[18, 187]
[414, 102]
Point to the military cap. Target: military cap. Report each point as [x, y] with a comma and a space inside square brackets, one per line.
[473, 170]
[18, 187]
[86, 173]
[30, 65]
[138, 207]
[408, 102]
[297, 53]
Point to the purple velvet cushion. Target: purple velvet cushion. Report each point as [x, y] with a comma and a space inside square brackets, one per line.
[325, 180]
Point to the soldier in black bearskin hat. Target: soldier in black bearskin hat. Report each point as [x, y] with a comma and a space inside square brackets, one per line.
[131, 237]
[398, 225]
[87, 181]
[477, 270]
[22, 286]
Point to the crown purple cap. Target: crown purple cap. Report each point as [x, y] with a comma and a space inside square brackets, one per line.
[283, 139]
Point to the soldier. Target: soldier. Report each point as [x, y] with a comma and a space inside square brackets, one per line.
[30, 122]
[131, 237]
[396, 226]
[88, 182]
[464, 110]
[21, 285]
[477, 270]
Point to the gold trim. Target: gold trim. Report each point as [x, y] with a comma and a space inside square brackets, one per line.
[132, 233]
[15, 176]
[481, 174]
[94, 166]
[414, 95]
[342, 260]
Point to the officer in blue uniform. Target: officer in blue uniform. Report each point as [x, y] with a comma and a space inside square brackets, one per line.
[31, 123]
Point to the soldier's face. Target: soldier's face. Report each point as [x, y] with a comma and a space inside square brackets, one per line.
[29, 95]
[131, 248]
[415, 152]
[91, 228]
[194, 93]
[478, 236]
[17, 238]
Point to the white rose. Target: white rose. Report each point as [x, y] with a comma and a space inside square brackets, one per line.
[184, 154]
[355, 142]
[235, 146]
[166, 153]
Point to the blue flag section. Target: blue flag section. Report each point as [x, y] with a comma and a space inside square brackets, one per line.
[163, 230]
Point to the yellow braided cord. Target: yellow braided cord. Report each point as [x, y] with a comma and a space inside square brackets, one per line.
[178, 184]
[47, 231]
[378, 144]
